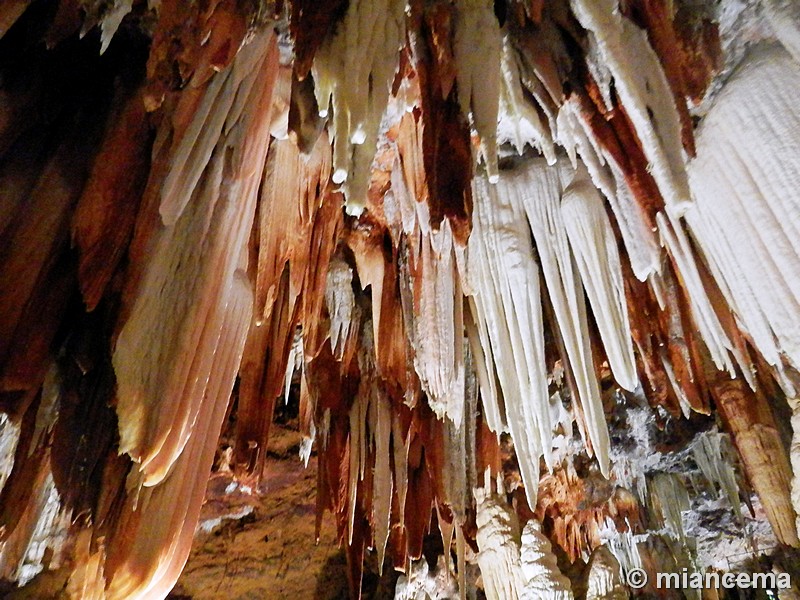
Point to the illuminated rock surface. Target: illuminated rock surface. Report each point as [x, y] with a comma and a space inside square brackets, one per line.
[487, 298]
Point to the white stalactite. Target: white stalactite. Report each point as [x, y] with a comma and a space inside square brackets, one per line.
[519, 121]
[784, 16]
[341, 303]
[669, 499]
[717, 341]
[438, 324]
[746, 218]
[575, 135]
[9, 438]
[595, 249]
[536, 191]
[169, 354]
[718, 471]
[644, 92]
[353, 72]
[505, 278]
[111, 20]
[42, 530]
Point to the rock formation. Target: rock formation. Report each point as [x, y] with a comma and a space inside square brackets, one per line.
[509, 262]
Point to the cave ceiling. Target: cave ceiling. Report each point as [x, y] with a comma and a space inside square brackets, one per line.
[521, 277]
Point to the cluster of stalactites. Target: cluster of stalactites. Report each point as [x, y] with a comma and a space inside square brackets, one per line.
[547, 237]
[445, 309]
[353, 73]
[574, 251]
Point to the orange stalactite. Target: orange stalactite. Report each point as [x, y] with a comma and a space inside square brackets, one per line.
[106, 212]
[748, 417]
[437, 325]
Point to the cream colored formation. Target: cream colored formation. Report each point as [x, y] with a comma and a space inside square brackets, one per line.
[178, 355]
[540, 231]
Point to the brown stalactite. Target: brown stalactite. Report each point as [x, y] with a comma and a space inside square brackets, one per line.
[647, 340]
[701, 55]
[10, 12]
[434, 144]
[676, 335]
[747, 416]
[85, 433]
[36, 274]
[106, 212]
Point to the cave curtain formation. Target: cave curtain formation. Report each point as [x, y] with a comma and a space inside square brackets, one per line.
[468, 237]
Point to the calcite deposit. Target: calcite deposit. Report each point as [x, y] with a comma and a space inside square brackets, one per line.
[521, 278]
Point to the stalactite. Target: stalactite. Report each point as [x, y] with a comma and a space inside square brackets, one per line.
[644, 92]
[87, 579]
[111, 20]
[434, 143]
[581, 509]
[106, 212]
[575, 134]
[34, 536]
[164, 364]
[710, 327]
[658, 18]
[291, 191]
[353, 71]
[708, 454]
[148, 555]
[422, 582]
[740, 163]
[9, 438]
[504, 283]
[439, 311]
[668, 498]
[784, 16]
[595, 250]
[622, 546]
[460, 470]
[748, 417]
[478, 47]
[341, 305]
[35, 273]
[439, 357]
[539, 199]
[381, 427]
[794, 455]
[10, 12]
[519, 121]
[433, 306]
